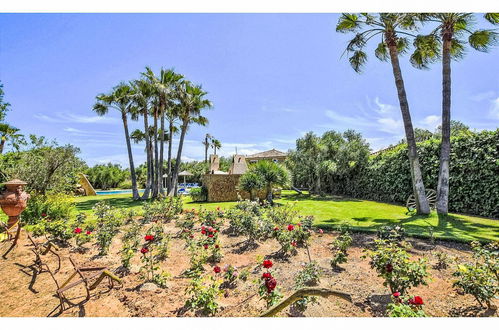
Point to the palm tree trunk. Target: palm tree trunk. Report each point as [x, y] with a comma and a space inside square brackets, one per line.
[147, 190]
[170, 142]
[2, 144]
[269, 194]
[135, 191]
[206, 149]
[161, 155]
[155, 166]
[443, 174]
[172, 190]
[418, 188]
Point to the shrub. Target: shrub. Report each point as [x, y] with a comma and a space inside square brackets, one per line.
[392, 233]
[340, 246]
[393, 264]
[131, 243]
[283, 214]
[309, 275]
[203, 294]
[442, 260]
[198, 194]
[60, 231]
[480, 278]
[149, 269]
[162, 209]
[54, 206]
[406, 307]
[107, 225]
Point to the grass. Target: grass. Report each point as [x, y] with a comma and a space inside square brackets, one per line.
[360, 215]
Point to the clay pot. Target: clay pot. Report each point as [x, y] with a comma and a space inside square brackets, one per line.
[13, 200]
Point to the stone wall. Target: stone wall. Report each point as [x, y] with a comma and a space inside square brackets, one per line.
[224, 188]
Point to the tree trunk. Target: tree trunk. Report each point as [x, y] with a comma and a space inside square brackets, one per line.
[161, 153]
[2, 144]
[206, 149]
[155, 166]
[147, 190]
[170, 141]
[135, 191]
[172, 191]
[443, 174]
[269, 194]
[422, 205]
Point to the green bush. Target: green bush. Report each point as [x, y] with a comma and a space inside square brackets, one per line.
[198, 194]
[473, 174]
[54, 206]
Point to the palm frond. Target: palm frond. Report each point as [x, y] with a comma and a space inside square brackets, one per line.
[347, 23]
[457, 50]
[357, 60]
[483, 40]
[356, 43]
[427, 51]
[402, 45]
[492, 18]
[381, 52]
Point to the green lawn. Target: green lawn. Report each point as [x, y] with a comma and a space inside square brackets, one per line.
[360, 215]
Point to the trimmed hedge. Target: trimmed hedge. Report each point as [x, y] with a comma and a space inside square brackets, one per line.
[474, 174]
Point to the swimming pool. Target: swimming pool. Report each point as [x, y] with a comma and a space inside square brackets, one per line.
[115, 192]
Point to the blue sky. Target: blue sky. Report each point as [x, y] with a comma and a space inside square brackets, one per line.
[271, 78]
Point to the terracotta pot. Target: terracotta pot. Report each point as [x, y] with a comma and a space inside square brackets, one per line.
[13, 200]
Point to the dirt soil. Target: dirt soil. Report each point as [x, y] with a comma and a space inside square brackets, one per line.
[23, 292]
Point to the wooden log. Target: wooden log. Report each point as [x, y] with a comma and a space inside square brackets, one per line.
[302, 293]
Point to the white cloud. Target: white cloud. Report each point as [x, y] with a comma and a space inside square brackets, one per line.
[390, 125]
[66, 117]
[483, 96]
[384, 108]
[430, 122]
[79, 132]
[494, 109]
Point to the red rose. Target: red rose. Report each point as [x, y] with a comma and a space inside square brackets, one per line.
[321, 231]
[266, 275]
[77, 230]
[299, 224]
[217, 246]
[44, 215]
[192, 236]
[217, 269]
[88, 232]
[291, 227]
[396, 294]
[276, 228]
[210, 230]
[267, 263]
[293, 243]
[218, 208]
[210, 235]
[144, 250]
[205, 246]
[416, 301]
[149, 238]
[270, 283]
[389, 268]
[203, 232]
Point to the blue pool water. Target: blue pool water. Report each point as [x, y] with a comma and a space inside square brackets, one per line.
[115, 192]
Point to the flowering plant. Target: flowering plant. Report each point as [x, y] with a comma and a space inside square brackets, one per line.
[203, 294]
[339, 247]
[406, 306]
[268, 288]
[149, 269]
[82, 237]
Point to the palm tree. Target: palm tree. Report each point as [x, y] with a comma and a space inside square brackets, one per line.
[388, 26]
[191, 102]
[8, 133]
[251, 182]
[445, 41]
[216, 144]
[121, 99]
[207, 142]
[272, 174]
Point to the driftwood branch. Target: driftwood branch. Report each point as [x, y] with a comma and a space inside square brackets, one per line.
[302, 293]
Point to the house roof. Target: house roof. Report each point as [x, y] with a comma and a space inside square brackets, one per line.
[268, 154]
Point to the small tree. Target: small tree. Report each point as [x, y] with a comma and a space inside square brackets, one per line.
[251, 182]
[272, 174]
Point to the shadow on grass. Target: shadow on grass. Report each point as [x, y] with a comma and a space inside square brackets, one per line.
[121, 202]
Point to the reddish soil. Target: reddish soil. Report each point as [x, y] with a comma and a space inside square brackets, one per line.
[22, 294]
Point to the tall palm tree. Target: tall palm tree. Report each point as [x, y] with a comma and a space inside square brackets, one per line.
[121, 99]
[389, 27]
[191, 102]
[143, 93]
[207, 142]
[216, 144]
[445, 42]
[8, 133]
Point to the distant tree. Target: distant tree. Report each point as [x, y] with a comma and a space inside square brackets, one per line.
[456, 128]
[206, 143]
[11, 134]
[272, 174]
[216, 144]
[107, 176]
[44, 165]
[4, 106]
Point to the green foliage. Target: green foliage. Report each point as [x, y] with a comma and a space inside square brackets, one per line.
[162, 209]
[54, 206]
[480, 278]
[392, 233]
[404, 309]
[203, 294]
[339, 247]
[107, 176]
[198, 194]
[393, 264]
[308, 276]
[251, 182]
[271, 175]
[58, 230]
[473, 167]
[108, 225]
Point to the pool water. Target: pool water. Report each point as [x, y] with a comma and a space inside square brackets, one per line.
[115, 192]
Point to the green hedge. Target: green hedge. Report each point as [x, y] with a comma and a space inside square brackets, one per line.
[474, 174]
